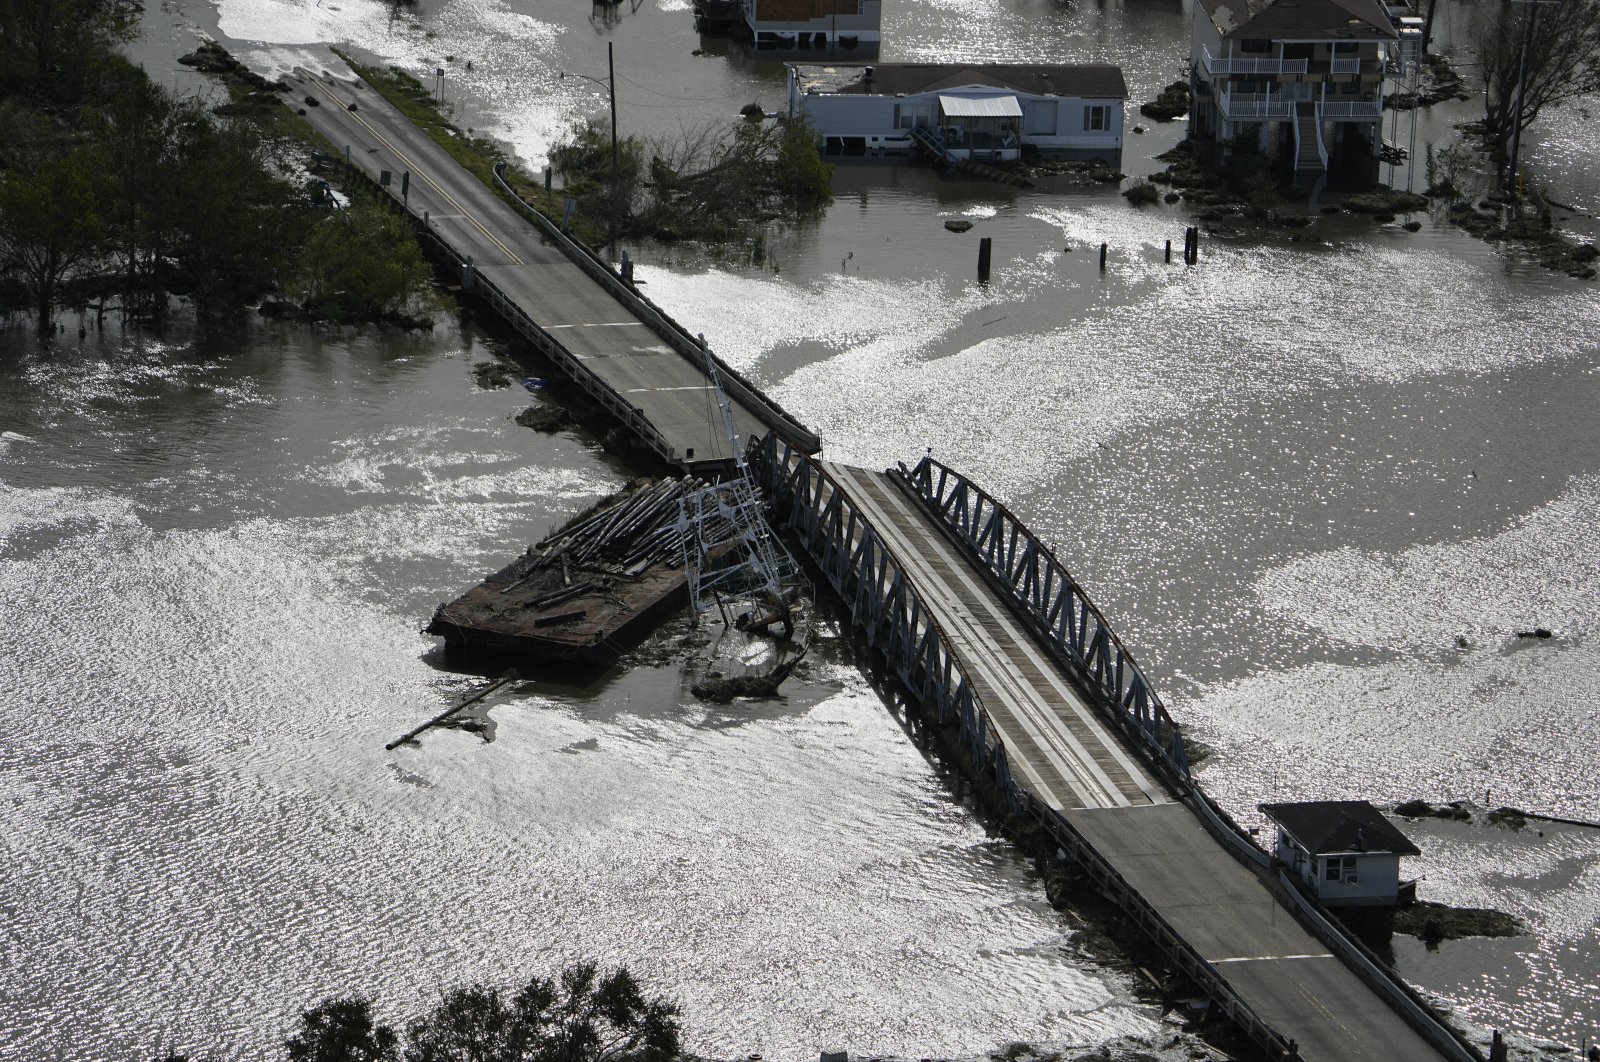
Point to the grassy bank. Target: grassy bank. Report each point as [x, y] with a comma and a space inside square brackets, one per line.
[476, 154]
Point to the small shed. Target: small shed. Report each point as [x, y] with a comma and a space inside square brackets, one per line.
[1345, 851]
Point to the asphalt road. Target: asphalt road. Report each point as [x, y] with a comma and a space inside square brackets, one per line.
[1056, 745]
[1228, 914]
[673, 394]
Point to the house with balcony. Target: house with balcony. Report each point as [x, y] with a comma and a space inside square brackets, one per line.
[805, 24]
[1303, 77]
[961, 111]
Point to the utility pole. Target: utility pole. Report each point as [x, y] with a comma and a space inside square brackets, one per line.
[610, 85]
[616, 184]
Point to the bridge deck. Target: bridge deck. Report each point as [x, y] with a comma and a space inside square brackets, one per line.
[1065, 754]
[617, 346]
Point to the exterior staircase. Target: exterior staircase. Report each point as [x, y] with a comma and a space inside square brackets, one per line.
[1309, 153]
[930, 144]
[927, 141]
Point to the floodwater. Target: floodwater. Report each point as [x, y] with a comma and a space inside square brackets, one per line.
[1294, 476]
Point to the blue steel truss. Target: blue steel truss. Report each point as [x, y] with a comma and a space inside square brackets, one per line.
[1057, 606]
[887, 608]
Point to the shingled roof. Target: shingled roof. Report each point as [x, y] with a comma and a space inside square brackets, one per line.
[1092, 80]
[1339, 826]
[1300, 20]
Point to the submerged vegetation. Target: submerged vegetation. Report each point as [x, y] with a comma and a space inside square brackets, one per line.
[118, 195]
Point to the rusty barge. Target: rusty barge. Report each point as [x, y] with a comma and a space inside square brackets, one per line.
[587, 593]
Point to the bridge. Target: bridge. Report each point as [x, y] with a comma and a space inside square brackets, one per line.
[992, 634]
[981, 622]
[599, 329]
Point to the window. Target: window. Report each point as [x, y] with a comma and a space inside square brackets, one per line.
[1351, 88]
[1254, 44]
[1097, 118]
[1341, 869]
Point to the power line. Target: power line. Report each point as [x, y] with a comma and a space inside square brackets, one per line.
[670, 96]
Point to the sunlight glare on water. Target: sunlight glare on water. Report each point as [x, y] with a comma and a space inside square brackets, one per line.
[212, 837]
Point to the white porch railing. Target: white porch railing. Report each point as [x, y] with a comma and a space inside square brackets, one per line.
[1234, 65]
[1236, 105]
[1353, 109]
[1345, 66]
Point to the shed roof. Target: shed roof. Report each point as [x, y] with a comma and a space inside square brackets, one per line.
[1301, 20]
[1340, 826]
[1091, 80]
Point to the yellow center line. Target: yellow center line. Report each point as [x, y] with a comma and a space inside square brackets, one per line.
[420, 173]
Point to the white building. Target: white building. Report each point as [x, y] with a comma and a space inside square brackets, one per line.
[1344, 851]
[977, 112]
[1305, 77]
[814, 23]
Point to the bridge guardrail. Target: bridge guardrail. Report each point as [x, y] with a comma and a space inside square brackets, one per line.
[883, 602]
[771, 414]
[1040, 596]
[1401, 997]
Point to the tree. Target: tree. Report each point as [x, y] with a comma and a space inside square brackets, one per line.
[602, 190]
[49, 48]
[233, 231]
[342, 1030]
[140, 130]
[1563, 63]
[51, 223]
[799, 175]
[362, 263]
[582, 1017]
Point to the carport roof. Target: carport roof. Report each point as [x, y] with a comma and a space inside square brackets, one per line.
[980, 107]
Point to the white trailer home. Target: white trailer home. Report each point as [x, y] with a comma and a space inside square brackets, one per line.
[988, 113]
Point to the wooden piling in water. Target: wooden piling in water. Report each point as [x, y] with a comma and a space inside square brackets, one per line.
[1169, 252]
[1102, 258]
[985, 247]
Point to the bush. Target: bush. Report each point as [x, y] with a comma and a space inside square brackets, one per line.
[362, 264]
[1142, 193]
[1249, 173]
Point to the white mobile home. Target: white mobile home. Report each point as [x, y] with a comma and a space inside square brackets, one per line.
[978, 112]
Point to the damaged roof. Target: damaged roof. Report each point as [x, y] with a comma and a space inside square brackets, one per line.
[1094, 80]
[1300, 20]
